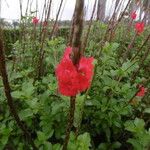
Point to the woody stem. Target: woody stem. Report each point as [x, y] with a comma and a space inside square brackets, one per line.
[76, 44]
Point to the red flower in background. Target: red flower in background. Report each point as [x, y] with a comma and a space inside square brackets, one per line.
[142, 91]
[74, 79]
[133, 15]
[35, 20]
[139, 27]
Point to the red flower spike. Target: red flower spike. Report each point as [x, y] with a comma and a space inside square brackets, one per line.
[133, 15]
[139, 27]
[142, 91]
[35, 20]
[74, 79]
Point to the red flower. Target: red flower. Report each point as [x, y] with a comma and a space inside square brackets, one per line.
[35, 20]
[139, 27]
[142, 91]
[74, 79]
[133, 15]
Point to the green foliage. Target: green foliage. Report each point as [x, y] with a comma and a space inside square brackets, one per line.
[104, 114]
[141, 137]
[82, 142]
[10, 37]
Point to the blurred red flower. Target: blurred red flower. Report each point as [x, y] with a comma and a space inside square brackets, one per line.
[142, 91]
[139, 27]
[133, 15]
[35, 20]
[74, 79]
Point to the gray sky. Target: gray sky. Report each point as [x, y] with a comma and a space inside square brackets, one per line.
[10, 8]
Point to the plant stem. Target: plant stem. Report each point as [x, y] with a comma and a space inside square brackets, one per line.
[125, 55]
[134, 75]
[70, 121]
[76, 53]
[42, 52]
[89, 28]
[114, 27]
[56, 20]
[71, 30]
[144, 43]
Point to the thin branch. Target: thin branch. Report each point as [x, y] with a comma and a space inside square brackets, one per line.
[122, 14]
[27, 8]
[125, 55]
[134, 75]
[41, 53]
[71, 30]
[113, 29]
[140, 49]
[20, 3]
[89, 28]
[56, 20]
[70, 121]
[42, 16]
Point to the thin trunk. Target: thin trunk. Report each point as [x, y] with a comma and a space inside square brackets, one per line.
[27, 8]
[76, 44]
[71, 30]
[88, 30]
[101, 8]
[41, 53]
[20, 3]
[146, 7]
[55, 23]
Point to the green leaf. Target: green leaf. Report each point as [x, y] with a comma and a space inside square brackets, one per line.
[47, 146]
[84, 141]
[135, 126]
[135, 143]
[139, 123]
[4, 140]
[33, 104]
[23, 114]
[41, 136]
[147, 110]
[17, 94]
[114, 46]
[28, 88]
[5, 132]
[56, 107]
[56, 147]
